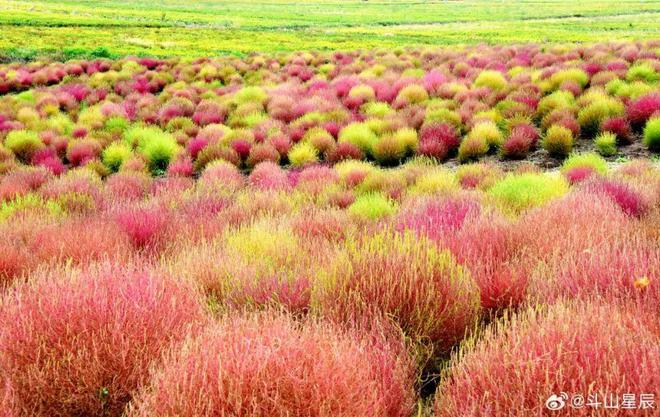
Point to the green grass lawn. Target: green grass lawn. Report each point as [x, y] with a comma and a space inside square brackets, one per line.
[175, 28]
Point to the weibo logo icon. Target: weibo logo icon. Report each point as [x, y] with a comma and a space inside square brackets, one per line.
[556, 402]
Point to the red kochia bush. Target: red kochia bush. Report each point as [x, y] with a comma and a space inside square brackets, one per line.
[80, 241]
[437, 140]
[640, 110]
[628, 199]
[613, 270]
[270, 366]
[586, 349]
[145, 226]
[438, 218]
[79, 343]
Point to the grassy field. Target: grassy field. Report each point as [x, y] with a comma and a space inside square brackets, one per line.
[66, 29]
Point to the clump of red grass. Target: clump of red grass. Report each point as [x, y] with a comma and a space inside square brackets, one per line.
[269, 176]
[435, 218]
[582, 348]
[222, 175]
[491, 248]
[146, 227]
[641, 109]
[330, 225]
[578, 174]
[267, 365]
[437, 140]
[577, 222]
[80, 343]
[612, 270]
[520, 142]
[80, 240]
[630, 201]
[127, 185]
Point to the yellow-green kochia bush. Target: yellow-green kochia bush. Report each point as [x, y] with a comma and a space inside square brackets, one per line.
[517, 193]
[23, 143]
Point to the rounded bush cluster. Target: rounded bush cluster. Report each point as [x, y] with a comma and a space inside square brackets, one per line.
[88, 350]
[583, 349]
[268, 365]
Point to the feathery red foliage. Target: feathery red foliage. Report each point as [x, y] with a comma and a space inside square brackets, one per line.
[585, 349]
[269, 366]
[88, 349]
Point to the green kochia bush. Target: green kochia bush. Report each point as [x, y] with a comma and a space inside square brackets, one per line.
[585, 160]
[558, 141]
[606, 143]
[372, 206]
[591, 116]
[652, 134]
[517, 193]
[115, 155]
[360, 135]
[23, 144]
[303, 154]
[157, 146]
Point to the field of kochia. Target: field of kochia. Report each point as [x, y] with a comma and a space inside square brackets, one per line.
[284, 209]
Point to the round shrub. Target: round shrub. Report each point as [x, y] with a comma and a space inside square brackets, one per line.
[652, 134]
[81, 151]
[344, 151]
[411, 94]
[405, 277]
[520, 142]
[270, 366]
[372, 206]
[625, 196]
[558, 141]
[262, 152]
[491, 79]
[582, 349]
[589, 161]
[594, 114]
[479, 175]
[157, 146]
[639, 111]
[606, 143]
[159, 152]
[489, 131]
[360, 135]
[472, 148]
[576, 75]
[23, 144]
[269, 176]
[216, 152]
[303, 153]
[389, 150]
[250, 95]
[517, 193]
[437, 140]
[642, 72]
[87, 350]
[435, 181]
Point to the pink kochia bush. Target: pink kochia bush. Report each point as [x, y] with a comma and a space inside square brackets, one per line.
[630, 201]
[80, 343]
[268, 365]
[483, 242]
[585, 348]
[145, 227]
